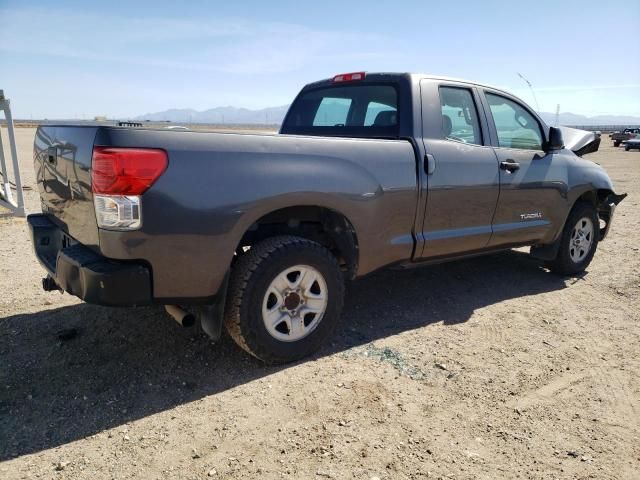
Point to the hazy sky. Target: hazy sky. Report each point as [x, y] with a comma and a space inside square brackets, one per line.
[65, 58]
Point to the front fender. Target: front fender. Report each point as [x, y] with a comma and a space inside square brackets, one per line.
[587, 177]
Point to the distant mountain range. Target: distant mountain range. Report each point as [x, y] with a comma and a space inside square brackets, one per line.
[582, 120]
[220, 115]
[275, 115]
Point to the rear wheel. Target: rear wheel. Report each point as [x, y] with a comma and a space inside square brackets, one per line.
[285, 298]
[627, 148]
[616, 143]
[579, 241]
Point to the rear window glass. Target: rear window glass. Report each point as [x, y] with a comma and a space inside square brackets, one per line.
[346, 110]
[332, 111]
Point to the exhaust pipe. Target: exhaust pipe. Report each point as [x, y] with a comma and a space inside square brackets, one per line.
[180, 315]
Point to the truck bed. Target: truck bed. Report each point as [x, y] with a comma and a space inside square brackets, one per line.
[217, 185]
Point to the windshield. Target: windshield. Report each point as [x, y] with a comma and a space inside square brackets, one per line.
[346, 110]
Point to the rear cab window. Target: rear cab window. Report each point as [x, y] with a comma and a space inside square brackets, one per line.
[358, 110]
[460, 121]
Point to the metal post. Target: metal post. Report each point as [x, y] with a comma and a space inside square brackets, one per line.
[17, 207]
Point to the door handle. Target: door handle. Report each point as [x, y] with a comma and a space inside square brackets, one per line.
[509, 165]
[429, 164]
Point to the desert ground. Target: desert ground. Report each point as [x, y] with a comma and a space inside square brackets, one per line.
[485, 368]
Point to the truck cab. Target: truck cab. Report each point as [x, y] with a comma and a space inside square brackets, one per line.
[488, 173]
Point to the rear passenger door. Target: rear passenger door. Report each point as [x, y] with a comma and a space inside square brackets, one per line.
[531, 185]
[462, 179]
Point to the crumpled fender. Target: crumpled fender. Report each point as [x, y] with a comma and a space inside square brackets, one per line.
[606, 207]
[580, 142]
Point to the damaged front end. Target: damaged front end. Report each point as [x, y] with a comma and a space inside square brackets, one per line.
[606, 208]
[580, 142]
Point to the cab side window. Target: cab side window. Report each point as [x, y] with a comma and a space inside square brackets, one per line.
[379, 113]
[459, 116]
[516, 127]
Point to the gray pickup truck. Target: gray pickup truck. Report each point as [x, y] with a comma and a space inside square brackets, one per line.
[621, 137]
[259, 232]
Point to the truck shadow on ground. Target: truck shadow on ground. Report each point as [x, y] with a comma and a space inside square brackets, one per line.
[126, 364]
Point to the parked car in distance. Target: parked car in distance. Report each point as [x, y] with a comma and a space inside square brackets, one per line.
[259, 232]
[632, 143]
[626, 134]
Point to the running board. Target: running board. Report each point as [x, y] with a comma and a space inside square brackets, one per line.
[16, 206]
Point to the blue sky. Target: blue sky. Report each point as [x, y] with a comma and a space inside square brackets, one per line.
[72, 59]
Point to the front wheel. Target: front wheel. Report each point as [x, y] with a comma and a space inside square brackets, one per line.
[627, 148]
[284, 300]
[616, 143]
[579, 241]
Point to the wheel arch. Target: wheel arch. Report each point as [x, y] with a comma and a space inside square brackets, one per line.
[594, 196]
[598, 197]
[327, 226]
[604, 200]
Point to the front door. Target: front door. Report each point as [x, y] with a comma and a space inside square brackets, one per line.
[531, 185]
[462, 171]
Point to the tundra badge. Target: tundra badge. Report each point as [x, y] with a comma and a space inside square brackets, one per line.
[531, 216]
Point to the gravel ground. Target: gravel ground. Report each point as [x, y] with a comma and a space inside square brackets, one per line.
[487, 368]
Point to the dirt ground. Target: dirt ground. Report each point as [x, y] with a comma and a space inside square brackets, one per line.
[487, 368]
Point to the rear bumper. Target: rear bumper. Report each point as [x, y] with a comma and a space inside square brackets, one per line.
[89, 276]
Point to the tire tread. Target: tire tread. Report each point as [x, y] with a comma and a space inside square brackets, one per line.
[242, 272]
[562, 264]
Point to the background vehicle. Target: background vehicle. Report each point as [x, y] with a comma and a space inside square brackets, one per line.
[632, 143]
[626, 134]
[369, 170]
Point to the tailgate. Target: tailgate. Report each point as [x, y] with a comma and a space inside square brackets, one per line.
[62, 160]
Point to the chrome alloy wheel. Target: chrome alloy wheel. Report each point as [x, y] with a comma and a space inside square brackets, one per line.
[581, 239]
[294, 303]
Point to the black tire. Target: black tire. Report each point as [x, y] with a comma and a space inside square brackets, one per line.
[563, 264]
[616, 143]
[250, 279]
[627, 148]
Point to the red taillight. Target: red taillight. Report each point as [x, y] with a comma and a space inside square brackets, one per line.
[126, 171]
[349, 77]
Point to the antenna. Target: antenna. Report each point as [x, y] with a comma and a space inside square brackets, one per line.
[532, 92]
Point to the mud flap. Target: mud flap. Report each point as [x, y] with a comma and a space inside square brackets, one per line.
[546, 252]
[212, 316]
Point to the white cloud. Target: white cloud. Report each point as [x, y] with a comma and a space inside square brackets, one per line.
[232, 46]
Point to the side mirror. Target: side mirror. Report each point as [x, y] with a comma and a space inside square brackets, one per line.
[555, 139]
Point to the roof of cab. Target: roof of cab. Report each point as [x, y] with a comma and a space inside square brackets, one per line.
[413, 77]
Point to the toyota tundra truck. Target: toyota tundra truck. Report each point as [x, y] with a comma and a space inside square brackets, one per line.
[258, 233]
